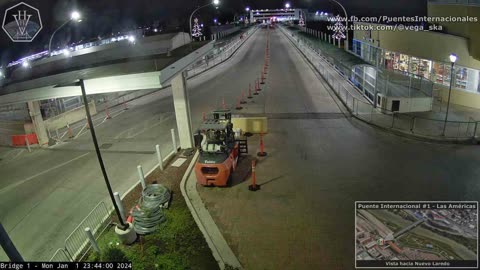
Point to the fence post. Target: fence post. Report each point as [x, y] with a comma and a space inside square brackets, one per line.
[119, 203]
[141, 176]
[412, 127]
[475, 130]
[159, 156]
[393, 119]
[92, 240]
[174, 141]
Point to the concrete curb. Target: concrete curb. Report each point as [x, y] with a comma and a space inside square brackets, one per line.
[216, 242]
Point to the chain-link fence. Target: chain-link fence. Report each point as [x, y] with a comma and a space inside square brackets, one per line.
[354, 98]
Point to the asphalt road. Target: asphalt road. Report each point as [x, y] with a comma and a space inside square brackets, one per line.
[319, 163]
[45, 194]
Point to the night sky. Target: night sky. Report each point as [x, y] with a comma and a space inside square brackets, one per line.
[102, 17]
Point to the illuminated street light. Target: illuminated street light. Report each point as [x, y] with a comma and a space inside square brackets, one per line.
[247, 9]
[453, 58]
[25, 64]
[74, 16]
[131, 39]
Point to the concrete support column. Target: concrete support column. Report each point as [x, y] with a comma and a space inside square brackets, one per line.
[37, 120]
[182, 110]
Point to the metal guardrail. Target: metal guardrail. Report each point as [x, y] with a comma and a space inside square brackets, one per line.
[406, 123]
[61, 256]
[76, 244]
[219, 56]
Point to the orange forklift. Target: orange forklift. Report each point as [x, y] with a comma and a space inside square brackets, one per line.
[219, 150]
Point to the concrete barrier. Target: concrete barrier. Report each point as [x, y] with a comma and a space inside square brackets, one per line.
[255, 125]
[70, 117]
[9, 128]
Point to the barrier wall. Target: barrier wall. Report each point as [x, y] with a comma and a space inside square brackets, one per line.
[255, 125]
[8, 128]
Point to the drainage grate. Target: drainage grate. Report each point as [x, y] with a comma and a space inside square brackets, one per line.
[106, 145]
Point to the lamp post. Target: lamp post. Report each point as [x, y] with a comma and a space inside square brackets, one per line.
[215, 2]
[247, 9]
[346, 23]
[453, 59]
[122, 225]
[75, 16]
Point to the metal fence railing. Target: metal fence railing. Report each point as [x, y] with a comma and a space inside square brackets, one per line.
[61, 256]
[359, 107]
[76, 244]
[219, 55]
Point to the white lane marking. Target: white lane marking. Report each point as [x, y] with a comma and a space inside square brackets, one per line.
[39, 174]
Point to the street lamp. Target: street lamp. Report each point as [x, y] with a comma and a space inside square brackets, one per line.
[287, 5]
[74, 16]
[453, 58]
[346, 22]
[214, 2]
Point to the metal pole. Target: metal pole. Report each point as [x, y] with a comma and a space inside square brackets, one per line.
[448, 102]
[141, 177]
[92, 240]
[51, 38]
[8, 246]
[346, 23]
[122, 224]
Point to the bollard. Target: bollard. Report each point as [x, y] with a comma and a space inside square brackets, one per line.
[262, 152]
[92, 240]
[125, 107]
[88, 125]
[107, 111]
[253, 186]
[250, 91]
[119, 203]
[28, 144]
[159, 157]
[174, 141]
[238, 107]
[141, 176]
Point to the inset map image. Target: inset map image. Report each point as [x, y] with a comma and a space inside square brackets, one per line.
[416, 234]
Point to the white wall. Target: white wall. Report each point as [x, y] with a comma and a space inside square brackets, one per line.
[411, 104]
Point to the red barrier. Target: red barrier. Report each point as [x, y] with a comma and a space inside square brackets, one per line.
[20, 140]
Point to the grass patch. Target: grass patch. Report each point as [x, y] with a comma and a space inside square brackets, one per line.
[177, 244]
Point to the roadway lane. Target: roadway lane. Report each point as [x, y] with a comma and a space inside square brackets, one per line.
[44, 195]
[319, 163]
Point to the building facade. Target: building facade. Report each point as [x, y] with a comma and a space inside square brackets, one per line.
[422, 53]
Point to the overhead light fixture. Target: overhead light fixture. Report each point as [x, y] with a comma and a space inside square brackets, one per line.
[453, 58]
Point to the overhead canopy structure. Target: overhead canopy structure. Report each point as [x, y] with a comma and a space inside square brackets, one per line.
[61, 86]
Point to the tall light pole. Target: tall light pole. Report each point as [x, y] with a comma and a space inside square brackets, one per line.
[74, 16]
[247, 9]
[346, 22]
[214, 2]
[453, 58]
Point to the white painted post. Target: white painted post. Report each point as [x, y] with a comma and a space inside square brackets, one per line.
[92, 240]
[141, 176]
[159, 156]
[174, 141]
[119, 203]
[28, 144]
